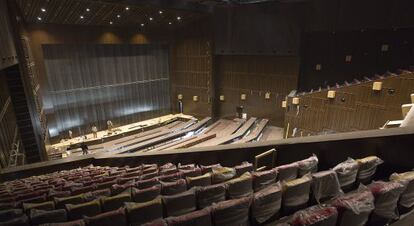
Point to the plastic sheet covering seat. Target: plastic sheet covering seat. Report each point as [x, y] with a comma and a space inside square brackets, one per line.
[287, 172]
[180, 204]
[194, 172]
[261, 179]
[347, 173]
[386, 196]
[243, 168]
[209, 168]
[296, 194]
[147, 183]
[325, 185]
[43, 206]
[240, 187]
[354, 208]
[406, 201]
[77, 211]
[208, 195]
[367, 168]
[44, 216]
[70, 223]
[124, 188]
[22, 220]
[172, 188]
[149, 175]
[309, 165]
[171, 177]
[315, 216]
[140, 213]
[76, 199]
[84, 189]
[9, 214]
[146, 194]
[112, 218]
[115, 202]
[98, 194]
[199, 218]
[222, 174]
[232, 212]
[158, 222]
[203, 180]
[266, 203]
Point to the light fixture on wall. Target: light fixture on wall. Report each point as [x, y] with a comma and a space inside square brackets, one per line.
[267, 95]
[87, 10]
[39, 18]
[81, 17]
[180, 96]
[127, 8]
[169, 23]
[43, 9]
[142, 25]
[295, 100]
[160, 12]
[222, 98]
[195, 98]
[151, 18]
[119, 16]
[178, 18]
[331, 94]
[377, 86]
[110, 22]
[243, 96]
[284, 104]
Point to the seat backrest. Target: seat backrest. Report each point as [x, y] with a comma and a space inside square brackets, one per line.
[172, 188]
[140, 213]
[287, 172]
[203, 180]
[261, 179]
[240, 187]
[199, 218]
[208, 195]
[232, 212]
[111, 218]
[325, 185]
[146, 194]
[38, 217]
[266, 203]
[77, 211]
[115, 202]
[179, 204]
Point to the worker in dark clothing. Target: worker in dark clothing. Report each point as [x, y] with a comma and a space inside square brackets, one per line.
[84, 148]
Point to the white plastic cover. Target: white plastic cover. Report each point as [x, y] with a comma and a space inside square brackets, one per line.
[296, 192]
[368, 166]
[325, 184]
[386, 197]
[407, 197]
[267, 202]
[309, 165]
[347, 172]
[314, 215]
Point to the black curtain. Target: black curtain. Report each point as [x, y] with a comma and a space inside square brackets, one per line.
[92, 83]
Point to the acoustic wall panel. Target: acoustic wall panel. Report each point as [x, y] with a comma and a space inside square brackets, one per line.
[92, 83]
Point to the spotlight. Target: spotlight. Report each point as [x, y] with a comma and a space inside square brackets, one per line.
[142, 25]
[110, 22]
[81, 17]
[160, 12]
[126, 8]
[169, 23]
[151, 18]
[39, 18]
[178, 18]
[43, 9]
[119, 16]
[87, 10]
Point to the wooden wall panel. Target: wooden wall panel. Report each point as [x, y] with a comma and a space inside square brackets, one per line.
[355, 107]
[8, 127]
[191, 69]
[8, 54]
[254, 76]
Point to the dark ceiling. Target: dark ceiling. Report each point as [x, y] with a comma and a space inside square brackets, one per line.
[140, 14]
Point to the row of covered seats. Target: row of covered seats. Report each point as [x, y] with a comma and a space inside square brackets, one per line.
[207, 192]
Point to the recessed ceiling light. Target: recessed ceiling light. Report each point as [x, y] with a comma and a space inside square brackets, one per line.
[118, 16]
[43, 9]
[81, 17]
[110, 22]
[169, 23]
[178, 18]
[126, 8]
[87, 10]
[39, 18]
[142, 25]
[160, 12]
[150, 18]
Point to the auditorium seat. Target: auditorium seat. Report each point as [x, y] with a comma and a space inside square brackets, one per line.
[367, 168]
[98, 194]
[296, 194]
[140, 213]
[232, 212]
[194, 172]
[22, 220]
[203, 180]
[347, 173]
[149, 175]
[354, 208]
[171, 177]
[179, 204]
[239, 187]
[222, 174]
[287, 172]
[146, 194]
[243, 167]
[115, 217]
[315, 216]
[208, 195]
[386, 198]
[122, 188]
[115, 202]
[69, 223]
[406, 202]
[158, 222]
[196, 218]
[77, 211]
[325, 185]
[172, 188]
[83, 189]
[38, 217]
[76, 199]
[266, 203]
[309, 165]
[209, 168]
[8, 214]
[261, 179]
[146, 183]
